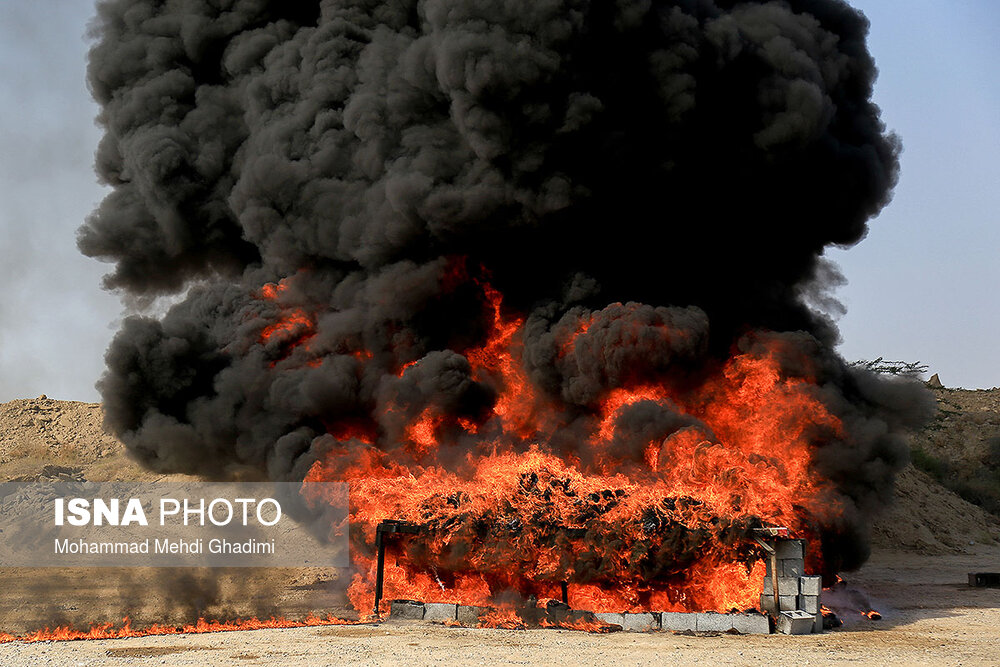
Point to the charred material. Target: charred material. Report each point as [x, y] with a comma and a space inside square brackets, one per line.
[650, 550]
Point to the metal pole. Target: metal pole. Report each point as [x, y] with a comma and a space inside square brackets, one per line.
[380, 566]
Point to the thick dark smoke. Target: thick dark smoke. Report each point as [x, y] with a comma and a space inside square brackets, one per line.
[697, 156]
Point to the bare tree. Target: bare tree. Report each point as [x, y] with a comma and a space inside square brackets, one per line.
[883, 367]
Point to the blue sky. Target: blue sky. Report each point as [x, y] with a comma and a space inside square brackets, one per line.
[920, 287]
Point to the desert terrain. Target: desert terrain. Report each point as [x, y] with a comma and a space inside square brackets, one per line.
[925, 544]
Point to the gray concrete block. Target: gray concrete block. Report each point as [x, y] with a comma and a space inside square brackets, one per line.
[469, 616]
[786, 586]
[751, 624]
[640, 622]
[785, 603]
[790, 549]
[792, 567]
[809, 603]
[713, 622]
[811, 585]
[795, 623]
[673, 620]
[818, 624]
[613, 619]
[406, 610]
[440, 611]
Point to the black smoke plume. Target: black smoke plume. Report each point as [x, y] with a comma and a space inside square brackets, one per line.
[685, 161]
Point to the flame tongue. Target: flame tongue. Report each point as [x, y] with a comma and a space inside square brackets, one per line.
[110, 631]
[697, 154]
[644, 499]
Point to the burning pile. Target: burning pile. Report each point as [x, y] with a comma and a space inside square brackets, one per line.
[534, 276]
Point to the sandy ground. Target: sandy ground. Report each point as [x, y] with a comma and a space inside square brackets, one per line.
[930, 617]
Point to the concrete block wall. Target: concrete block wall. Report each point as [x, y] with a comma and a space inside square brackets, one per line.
[678, 621]
[406, 610]
[749, 623]
[798, 606]
[441, 612]
[641, 622]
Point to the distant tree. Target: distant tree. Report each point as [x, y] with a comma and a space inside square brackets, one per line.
[883, 367]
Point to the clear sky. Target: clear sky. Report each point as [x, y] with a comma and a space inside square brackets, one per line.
[920, 287]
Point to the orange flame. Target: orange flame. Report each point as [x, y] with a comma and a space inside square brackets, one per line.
[582, 624]
[506, 619]
[110, 631]
[498, 492]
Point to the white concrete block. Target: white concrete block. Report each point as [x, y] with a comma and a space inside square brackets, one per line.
[713, 622]
[795, 623]
[811, 585]
[640, 622]
[440, 611]
[406, 610]
[751, 624]
[673, 620]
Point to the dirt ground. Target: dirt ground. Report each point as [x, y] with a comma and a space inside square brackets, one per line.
[930, 617]
[925, 545]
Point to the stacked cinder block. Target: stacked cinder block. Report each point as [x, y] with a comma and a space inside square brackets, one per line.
[797, 592]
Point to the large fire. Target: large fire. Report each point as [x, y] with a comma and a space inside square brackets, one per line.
[518, 498]
[516, 501]
[457, 203]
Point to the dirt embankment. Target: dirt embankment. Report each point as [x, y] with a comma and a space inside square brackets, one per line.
[957, 453]
[41, 438]
[45, 438]
[66, 437]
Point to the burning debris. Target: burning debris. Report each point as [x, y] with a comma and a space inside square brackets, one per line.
[110, 631]
[795, 606]
[532, 277]
[844, 603]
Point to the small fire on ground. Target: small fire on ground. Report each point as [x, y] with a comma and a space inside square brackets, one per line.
[111, 631]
